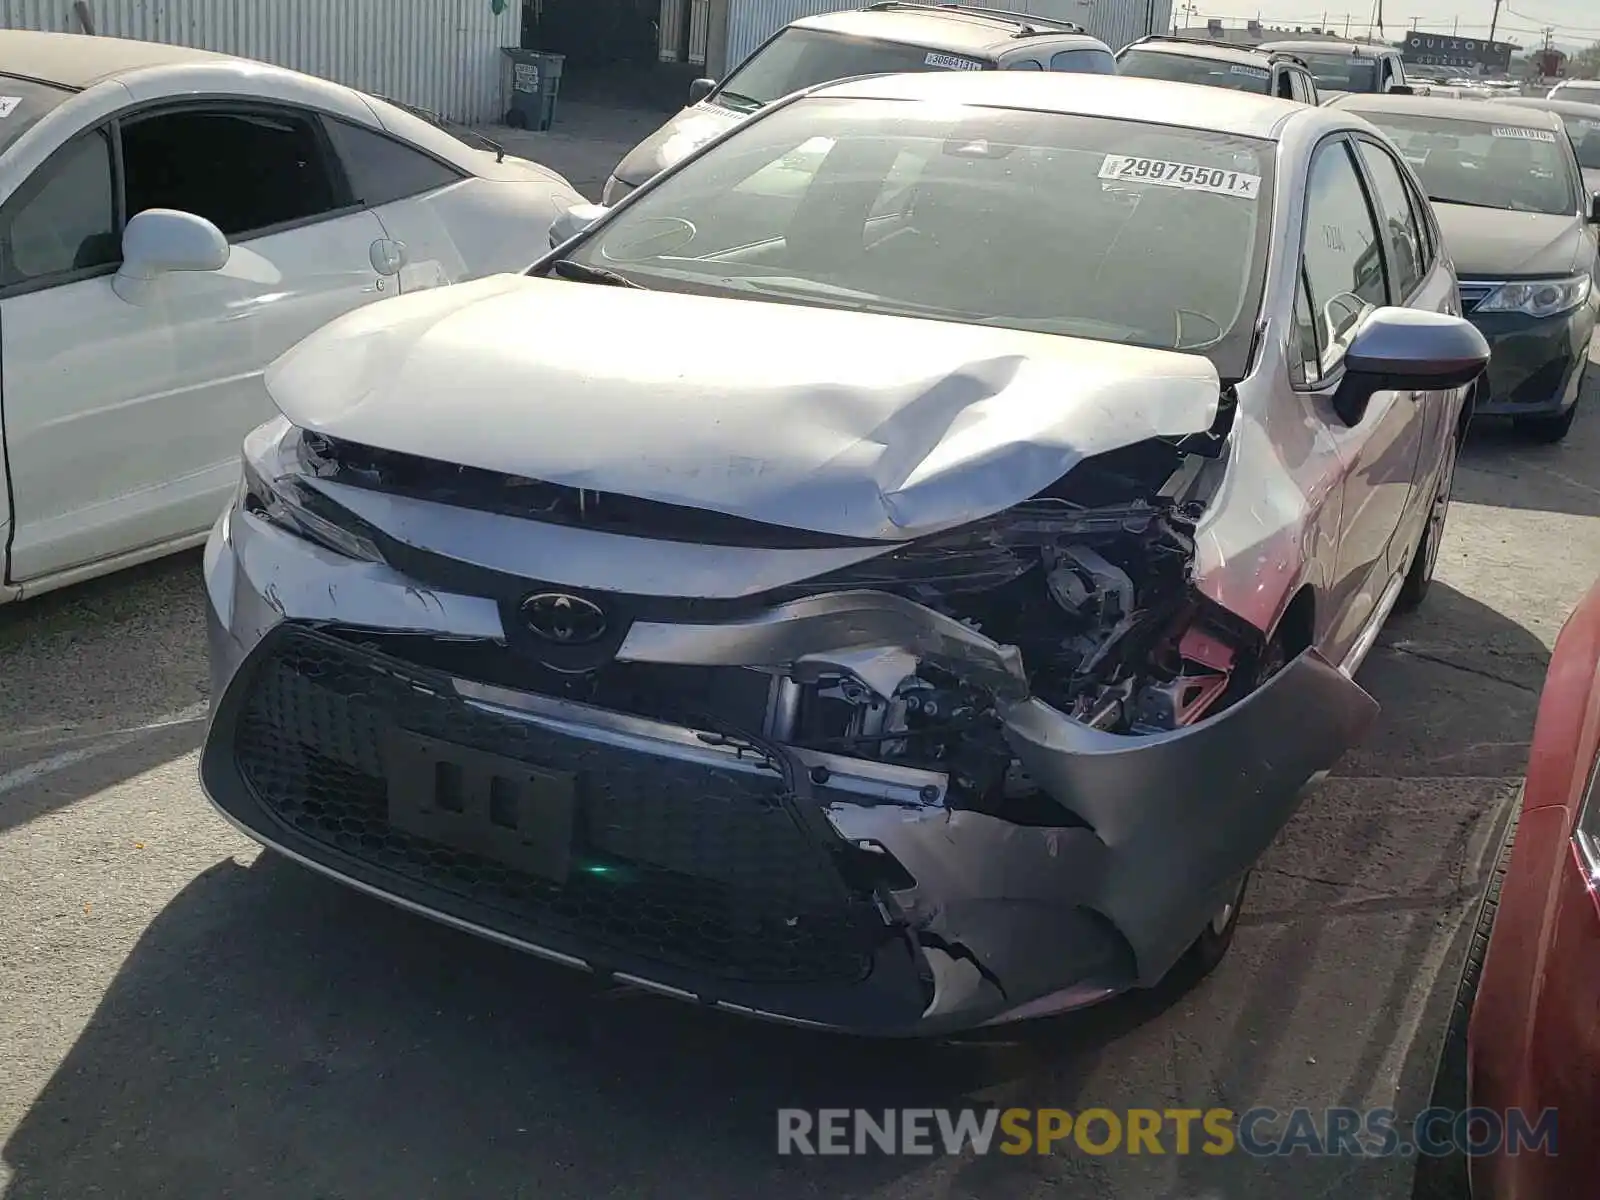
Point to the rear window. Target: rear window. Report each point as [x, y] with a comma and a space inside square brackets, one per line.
[1485, 164]
[1342, 72]
[23, 103]
[802, 58]
[1084, 226]
[1584, 89]
[1187, 68]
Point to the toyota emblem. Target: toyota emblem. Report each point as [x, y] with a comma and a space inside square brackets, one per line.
[564, 620]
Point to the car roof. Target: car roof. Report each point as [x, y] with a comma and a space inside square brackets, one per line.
[1569, 108]
[1481, 111]
[1354, 49]
[1243, 55]
[961, 31]
[1120, 97]
[76, 61]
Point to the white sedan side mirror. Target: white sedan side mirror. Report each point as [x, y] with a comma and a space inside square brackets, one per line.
[162, 240]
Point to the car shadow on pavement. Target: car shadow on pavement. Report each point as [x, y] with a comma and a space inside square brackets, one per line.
[274, 1034]
[1504, 468]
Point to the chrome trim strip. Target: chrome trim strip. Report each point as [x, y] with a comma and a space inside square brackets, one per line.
[886, 782]
[650, 985]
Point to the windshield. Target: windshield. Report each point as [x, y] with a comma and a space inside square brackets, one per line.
[1092, 227]
[801, 58]
[1185, 68]
[1585, 134]
[1342, 72]
[23, 103]
[1483, 164]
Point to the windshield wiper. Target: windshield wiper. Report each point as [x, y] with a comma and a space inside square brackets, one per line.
[736, 99]
[579, 272]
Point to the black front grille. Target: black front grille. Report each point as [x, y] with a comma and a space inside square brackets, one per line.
[700, 867]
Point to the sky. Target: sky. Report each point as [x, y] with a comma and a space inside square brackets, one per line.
[1577, 22]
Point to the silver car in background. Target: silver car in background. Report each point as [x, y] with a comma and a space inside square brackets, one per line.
[929, 611]
[879, 39]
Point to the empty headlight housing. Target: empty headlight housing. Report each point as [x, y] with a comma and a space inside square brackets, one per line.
[285, 501]
[1538, 297]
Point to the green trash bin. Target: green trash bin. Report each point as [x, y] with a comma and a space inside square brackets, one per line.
[535, 82]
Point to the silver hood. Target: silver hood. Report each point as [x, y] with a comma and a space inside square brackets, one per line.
[841, 423]
[675, 141]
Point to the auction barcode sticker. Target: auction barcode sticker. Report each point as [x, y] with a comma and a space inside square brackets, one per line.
[1180, 175]
[1252, 72]
[951, 63]
[1527, 135]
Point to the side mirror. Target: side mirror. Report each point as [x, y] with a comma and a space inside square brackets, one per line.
[574, 221]
[1402, 89]
[161, 240]
[1407, 349]
[700, 89]
[1594, 209]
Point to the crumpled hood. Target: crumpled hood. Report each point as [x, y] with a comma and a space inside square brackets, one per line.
[841, 423]
[1491, 243]
[674, 142]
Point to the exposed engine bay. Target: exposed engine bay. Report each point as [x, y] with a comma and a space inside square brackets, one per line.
[1090, 582]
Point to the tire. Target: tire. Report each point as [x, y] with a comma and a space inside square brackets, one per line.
[1446, 1178]
[1548, 430]
[1419, 577]
[1211, 947]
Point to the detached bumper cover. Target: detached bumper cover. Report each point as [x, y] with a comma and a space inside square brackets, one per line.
[854, 896]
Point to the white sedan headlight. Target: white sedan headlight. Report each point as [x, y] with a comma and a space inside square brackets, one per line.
[1538, 297]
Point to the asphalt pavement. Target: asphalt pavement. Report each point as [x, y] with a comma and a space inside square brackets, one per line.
[181, 1016]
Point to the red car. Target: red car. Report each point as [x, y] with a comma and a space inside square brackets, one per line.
[1532, 977]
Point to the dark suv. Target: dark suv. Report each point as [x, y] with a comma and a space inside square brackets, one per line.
[1242, 68]
[881, 39]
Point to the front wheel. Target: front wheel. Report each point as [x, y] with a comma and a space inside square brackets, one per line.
[1419, 578]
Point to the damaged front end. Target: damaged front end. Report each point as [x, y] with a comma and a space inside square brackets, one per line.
[999, 771]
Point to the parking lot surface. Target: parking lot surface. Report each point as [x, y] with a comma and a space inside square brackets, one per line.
[183, 1016]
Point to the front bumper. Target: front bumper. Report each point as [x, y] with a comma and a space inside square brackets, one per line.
[1536, 366]
[761, 878]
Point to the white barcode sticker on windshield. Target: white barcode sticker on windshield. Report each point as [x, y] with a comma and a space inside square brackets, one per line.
[1526, 135]
[1190, 178]
[8, 105]
[951, 63]
[1252, 72]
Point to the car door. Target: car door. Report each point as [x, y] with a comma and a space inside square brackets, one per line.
[124, 416]
[1415, 281]
[1343, 278]
[433, 234]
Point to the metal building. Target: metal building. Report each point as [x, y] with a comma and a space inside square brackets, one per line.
[443, 55]
[722, 33]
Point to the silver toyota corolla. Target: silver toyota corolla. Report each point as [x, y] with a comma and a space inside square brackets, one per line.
[895, 572]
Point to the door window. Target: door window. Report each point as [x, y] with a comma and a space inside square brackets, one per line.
[1305, 356]
[64, 218]
[1343, 253]
[381, 170]
[1402, 237]
[245, 170]
[1089, 62]
[1302, 87]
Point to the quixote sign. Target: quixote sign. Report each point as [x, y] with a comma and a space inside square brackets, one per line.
[1436, 49]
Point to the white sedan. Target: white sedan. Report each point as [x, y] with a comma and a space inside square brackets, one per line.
[171, 221]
